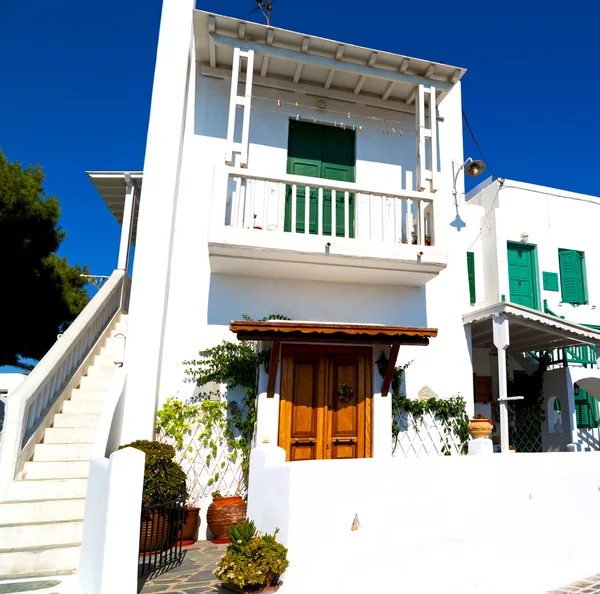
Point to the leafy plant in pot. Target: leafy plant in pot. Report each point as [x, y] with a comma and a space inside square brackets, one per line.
[164, 482]
[252, 562]
[223, 513]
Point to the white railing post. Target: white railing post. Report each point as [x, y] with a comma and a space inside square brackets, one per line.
[127, 227]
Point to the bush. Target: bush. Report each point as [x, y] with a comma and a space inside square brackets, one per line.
[256, 564]
[164, 479]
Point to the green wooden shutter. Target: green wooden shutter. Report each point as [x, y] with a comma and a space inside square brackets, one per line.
[572, 282]
[593, 410]
[471, 273]
[586, 410]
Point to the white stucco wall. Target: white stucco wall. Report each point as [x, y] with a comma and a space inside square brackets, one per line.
[552, 219]
[496, 529]
[201, 304]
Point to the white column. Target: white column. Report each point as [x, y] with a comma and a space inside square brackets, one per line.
[127, 226]
[150, 282]
[382, 412]
[267, 409]
[502, 341]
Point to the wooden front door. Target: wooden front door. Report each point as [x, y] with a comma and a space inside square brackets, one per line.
[325, 407]
[522, 275]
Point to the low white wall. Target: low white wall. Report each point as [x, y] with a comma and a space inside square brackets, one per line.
[492, 524]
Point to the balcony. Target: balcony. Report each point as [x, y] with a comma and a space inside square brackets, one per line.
[258, 228]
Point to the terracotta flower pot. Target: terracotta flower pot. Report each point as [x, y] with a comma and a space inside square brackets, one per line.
[154, 532]
[190, 526]
[480, 428]
[223, 513]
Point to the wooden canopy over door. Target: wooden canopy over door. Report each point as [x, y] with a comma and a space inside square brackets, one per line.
[325, 403]
[326, 389]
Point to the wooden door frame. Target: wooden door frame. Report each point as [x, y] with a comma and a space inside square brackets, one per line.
[291, 350]
[532, 247]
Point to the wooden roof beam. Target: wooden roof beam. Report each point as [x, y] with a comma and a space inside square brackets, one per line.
[329, 78]
[359, 85]
[389, 372]
[389, 90]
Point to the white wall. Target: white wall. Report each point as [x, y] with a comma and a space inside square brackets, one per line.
[492, 524]
[553, 220]
[201, 305]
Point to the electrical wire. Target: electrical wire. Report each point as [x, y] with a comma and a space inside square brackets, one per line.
[479, 148]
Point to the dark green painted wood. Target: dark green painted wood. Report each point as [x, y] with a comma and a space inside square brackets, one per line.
[572, 276]
[471, 274]
[522, 275]
[586, 410]
[326, 152]
[550, 281]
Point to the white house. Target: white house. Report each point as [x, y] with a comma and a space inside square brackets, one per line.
[537, 249]
[254, 133]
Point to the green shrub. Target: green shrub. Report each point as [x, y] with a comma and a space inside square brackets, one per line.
[241, 534]
[258, 564]
[164, 479]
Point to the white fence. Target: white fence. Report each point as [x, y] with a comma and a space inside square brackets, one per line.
[31, 407]
[111, 527]
[468, 524]
[285, 203]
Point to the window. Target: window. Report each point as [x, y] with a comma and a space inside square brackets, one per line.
[471, 273]
[586, 409]
[573, 285]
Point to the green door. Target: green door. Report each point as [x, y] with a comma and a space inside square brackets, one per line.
[326, 152]
[522, 275]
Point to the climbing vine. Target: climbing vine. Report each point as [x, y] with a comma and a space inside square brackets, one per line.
[451, 412]
[215, 420]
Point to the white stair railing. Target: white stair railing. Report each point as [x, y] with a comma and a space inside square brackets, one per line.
[31, 407]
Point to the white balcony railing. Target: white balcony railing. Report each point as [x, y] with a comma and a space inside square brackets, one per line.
[284, 204]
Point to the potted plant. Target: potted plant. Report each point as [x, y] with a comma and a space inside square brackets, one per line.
[164, 482]
[191, 523]
[480, 426]
[252, 562]
[223, 513]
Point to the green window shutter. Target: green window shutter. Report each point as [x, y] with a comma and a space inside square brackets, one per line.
[471, 273]
[586, 410]
[571, 276]
[593, 410]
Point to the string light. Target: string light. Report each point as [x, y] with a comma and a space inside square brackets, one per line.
[336, 124]
[349, 115]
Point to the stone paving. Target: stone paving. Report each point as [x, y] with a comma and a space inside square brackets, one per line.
[194, 575]
[590, 585]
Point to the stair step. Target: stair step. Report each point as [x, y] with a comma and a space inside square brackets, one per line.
[96, 382]
[107, 351]
[70, 435]
[43, 510]
[88, 394]
[62, 452]
[76, 420]
[71, 488]
[44, 560]
[54, 470]
[38, 534]
[83, 406]
[106, 371]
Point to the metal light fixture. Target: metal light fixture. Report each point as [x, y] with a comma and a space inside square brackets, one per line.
[472, 169]
[382, 364]
[267, 361]
[576, 390]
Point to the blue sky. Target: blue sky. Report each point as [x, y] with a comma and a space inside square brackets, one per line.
[77, 76]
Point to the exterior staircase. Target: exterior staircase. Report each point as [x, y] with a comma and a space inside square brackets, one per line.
[41, 520]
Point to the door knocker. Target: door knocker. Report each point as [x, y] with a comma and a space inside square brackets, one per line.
[345, 393]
